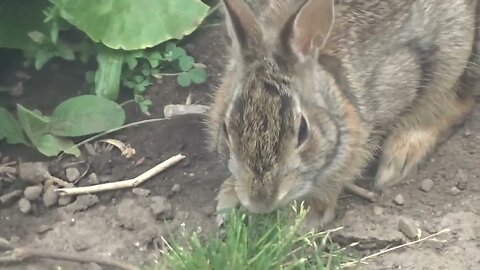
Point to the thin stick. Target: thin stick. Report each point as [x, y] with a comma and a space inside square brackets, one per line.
[131, 183]
[20, 254]
[364, 259]
[361, 192]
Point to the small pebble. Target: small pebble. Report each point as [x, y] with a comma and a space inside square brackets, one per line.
[10, 197]
[24, 205]
[65, 200]
[408, 227]
[426, 185]
[72, 174]
[462, 179]
[454, 191]
[33, 192]
[467, 133]
[399, 200]
[377, 210]
[176, 188]
[93, 179]
[50, 197]
[141, 192]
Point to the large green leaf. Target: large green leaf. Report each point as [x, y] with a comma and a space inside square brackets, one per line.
[131, 25]
[18, 20]
[84, 115]
[51, 146]
[10, 128]
[34, 124]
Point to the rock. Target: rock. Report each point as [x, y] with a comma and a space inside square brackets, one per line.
[24, 205]
[467, 133]
[50, 197]
[176, 188]
[93, 179]
[82, 203]
[427, 185]
[10, 197]
[462, 179]
[33, 172]
[408, 227]
[399, 200]
[65, 200]
[161, 207]
[33, 192]
[454, 191]
[377, 210]
[72, 174]
[141, 192]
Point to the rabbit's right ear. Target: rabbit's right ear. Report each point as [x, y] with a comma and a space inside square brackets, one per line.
[243, 28]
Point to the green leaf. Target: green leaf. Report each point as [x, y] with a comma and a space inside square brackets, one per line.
[51, 146]
[131, 62]
[10, 128]
[153, 62]
[84, 115]
[183, 79]
[129, 84]
[130, 25]
[90, 76]
[17, 19]
[145, 106]
[42, 57]
[34, 125]
[107, 77]
[198, 75]
[174, 53]
[186, 62]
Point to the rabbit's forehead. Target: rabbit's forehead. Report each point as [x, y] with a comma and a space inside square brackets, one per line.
[260, 123]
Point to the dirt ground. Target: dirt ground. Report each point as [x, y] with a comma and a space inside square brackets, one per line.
[129, 225]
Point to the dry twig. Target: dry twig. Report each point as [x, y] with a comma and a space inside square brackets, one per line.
[14, 254]
[361, 192]
[131, 183]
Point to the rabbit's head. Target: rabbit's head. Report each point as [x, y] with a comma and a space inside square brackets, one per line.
[274, 123]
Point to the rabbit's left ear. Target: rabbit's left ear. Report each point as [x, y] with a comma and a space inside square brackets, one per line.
[242, 26]
[308, 30]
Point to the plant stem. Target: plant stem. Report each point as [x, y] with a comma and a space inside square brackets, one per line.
[127, 102]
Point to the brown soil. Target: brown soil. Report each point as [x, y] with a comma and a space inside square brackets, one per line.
[121, 224]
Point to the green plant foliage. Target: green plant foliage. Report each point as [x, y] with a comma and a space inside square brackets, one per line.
[85, 115]
[107, 76]
[50, 145]
[195, 75]
[34, 124]
[10, 129]
[131, 25]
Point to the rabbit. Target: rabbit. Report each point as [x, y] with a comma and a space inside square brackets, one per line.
[315, 89]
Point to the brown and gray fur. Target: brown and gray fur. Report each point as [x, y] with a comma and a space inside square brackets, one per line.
[366, 77]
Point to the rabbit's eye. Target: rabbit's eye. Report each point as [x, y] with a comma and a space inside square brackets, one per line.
[302, 132]
[225, 130]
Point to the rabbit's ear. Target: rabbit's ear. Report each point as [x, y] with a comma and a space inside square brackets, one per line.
[242, 26]
[309, 28]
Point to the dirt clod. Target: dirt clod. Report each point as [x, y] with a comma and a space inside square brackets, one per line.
[33, 172]
[72, 174]
[408, 227]
[399, 200]
[65, 200]
[33, 192]
[82, 203]
[10, 197]
[454, 191]
[462, 179]
[427, 185]
[50, 197]
[24, 205]
[93, 179]
[161, 207]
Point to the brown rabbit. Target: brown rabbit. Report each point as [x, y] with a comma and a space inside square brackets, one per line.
[315, 88]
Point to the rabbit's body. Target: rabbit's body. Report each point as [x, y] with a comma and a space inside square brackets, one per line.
[308, 96]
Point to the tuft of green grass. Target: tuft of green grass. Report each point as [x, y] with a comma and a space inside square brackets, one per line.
[260, 242]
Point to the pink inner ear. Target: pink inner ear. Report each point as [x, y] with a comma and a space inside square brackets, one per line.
[311, 26]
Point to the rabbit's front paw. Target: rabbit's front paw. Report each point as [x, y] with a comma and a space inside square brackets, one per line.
[402, 152]
[318, 216]
[226, 199]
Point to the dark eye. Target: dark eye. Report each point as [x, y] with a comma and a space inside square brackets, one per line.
[302, 132]
[225, 130]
